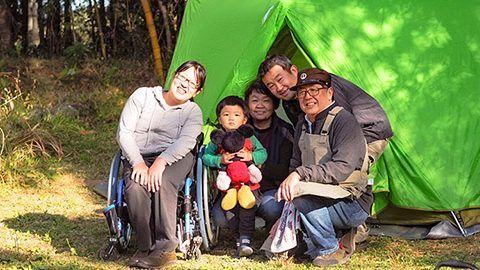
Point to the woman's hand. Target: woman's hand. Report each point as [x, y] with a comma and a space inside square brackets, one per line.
[227, 158]
[140, 173]
[155, 174]
[245, 155]
[286, 190]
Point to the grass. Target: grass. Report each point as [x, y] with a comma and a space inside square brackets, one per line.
[59, 227]
[49, 214]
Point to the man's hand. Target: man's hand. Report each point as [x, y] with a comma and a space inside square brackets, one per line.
[155, 174]
[245, 155]
[140, 174]
[227, 158]
[286, 190]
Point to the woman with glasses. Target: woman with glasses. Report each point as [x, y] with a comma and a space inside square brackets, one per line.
[328, 170]
[157, 130]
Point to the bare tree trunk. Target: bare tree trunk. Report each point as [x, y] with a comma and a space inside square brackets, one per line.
[113, 15]
[5, 27]
[103, 17]
[103, 23]
[74, 37]
[130, 27]
[100, 31]
[167, 24]
[53, 27]
[67, 24]
[15, 22]
[157, 59]
[41, 23]
[180, 9]
[24, 24]
[91, 16]
[33, 31]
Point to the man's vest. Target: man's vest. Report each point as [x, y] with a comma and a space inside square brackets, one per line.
[316, 150]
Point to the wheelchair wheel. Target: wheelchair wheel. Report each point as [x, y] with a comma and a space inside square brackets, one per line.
[113, 178]
[208, 229]
[211, 228]
[116, 213]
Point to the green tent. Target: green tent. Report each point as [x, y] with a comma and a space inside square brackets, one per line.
[419, 59]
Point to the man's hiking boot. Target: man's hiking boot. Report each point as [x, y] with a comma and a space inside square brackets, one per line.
[348, 241]
[336, 258]
[362, 234]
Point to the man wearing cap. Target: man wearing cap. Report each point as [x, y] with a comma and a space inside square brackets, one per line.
[328, 179]
[279, 75]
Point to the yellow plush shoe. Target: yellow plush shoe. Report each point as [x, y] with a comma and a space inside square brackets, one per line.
[245, 197]
[230, 199]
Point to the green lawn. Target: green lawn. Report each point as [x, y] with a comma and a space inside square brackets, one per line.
[59, 226]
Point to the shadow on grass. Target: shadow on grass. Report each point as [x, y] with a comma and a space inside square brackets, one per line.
[17, 260]
[424, 254]
[80, 236]
[461, 259]
[7, 256]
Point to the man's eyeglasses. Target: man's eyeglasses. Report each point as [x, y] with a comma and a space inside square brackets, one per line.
[183, 79]
[311, 91]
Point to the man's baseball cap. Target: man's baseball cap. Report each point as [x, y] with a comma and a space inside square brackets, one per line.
[313, 76]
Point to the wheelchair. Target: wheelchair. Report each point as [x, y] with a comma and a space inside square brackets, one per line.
[196, 229]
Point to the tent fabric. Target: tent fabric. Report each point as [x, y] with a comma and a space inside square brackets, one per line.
[419, 59]
[443, 229]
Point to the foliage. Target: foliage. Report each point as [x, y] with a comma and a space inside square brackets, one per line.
[75, 53]
[68, 73]
[25, 145]
[89, 26]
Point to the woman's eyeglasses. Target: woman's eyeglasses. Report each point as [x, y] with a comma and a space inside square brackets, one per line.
[183, 79]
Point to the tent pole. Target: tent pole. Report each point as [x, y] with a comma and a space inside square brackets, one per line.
[462, 230]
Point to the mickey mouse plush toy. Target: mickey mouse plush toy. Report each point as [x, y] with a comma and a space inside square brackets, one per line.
[238, 178]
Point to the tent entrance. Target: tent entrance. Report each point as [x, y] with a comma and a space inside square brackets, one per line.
[286, 44]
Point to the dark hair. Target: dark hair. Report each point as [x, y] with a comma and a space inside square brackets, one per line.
[200, 72]
[258, 87]
[232, 101]
[271, 61]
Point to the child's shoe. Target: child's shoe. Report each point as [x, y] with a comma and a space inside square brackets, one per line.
[246, 199]
[244, 248]
[229, 200]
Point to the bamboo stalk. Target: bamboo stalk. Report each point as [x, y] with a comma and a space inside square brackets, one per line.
[157, 58]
